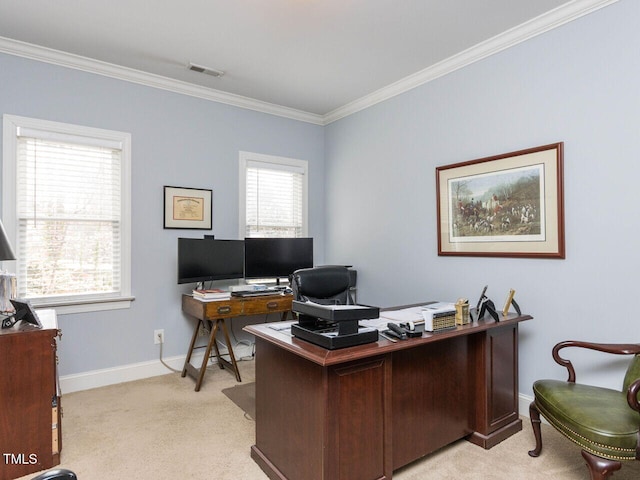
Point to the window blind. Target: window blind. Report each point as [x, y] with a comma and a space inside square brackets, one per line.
[274, 200]
[68, 216]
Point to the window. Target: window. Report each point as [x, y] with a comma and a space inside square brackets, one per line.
[66, 207]
[273, 196]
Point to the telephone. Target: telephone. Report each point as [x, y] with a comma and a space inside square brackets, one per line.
[24, 312]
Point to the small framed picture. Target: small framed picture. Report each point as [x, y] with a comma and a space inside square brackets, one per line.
[187, 208]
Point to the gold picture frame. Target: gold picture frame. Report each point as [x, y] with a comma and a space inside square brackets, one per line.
[187, 208]
[509, 205]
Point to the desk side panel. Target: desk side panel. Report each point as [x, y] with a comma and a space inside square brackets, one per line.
[504, 375]
[495, 354]
[290, 393]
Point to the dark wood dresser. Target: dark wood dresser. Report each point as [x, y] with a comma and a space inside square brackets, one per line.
[30, 430]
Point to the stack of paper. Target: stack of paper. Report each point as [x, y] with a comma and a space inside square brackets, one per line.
[405, 315]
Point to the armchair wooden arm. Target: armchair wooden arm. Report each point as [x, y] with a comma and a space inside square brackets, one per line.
[614, 348]
[632, 398]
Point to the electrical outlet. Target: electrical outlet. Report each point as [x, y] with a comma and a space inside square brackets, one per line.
[158, 337]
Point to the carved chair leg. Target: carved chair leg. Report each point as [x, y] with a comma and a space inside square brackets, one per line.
[534, 415]
[600, 468]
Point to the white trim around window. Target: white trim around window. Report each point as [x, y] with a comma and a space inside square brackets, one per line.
[298, 168]
[15, 127]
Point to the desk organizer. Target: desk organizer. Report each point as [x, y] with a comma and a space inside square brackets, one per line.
[437, 320]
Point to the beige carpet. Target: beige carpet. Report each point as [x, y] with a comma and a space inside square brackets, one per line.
[161, 429]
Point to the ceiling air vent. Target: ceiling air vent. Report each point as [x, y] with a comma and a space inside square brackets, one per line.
[206, 70]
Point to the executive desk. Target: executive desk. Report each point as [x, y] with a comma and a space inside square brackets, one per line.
[359, 413]
[212, 315]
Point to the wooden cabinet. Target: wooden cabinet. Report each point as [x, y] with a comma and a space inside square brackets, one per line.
[30, 427]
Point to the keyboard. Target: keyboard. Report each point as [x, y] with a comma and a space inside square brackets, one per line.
[254, 293]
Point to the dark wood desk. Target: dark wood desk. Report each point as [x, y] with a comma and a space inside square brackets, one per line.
[212, 315]
[359, 413]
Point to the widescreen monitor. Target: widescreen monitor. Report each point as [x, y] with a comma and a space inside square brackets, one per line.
[276, 257]
[201, 260]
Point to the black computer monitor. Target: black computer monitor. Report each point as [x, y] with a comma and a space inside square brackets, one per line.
[276, 257]
[204, 259]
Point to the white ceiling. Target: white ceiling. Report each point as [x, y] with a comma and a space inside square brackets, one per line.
[310, 56]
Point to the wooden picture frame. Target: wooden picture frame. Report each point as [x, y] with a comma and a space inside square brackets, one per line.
[509, 205]
[187, 208]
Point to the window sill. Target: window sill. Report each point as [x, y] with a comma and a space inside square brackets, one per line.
[82, 306]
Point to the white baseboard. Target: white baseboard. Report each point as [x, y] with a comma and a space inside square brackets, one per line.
[138, 371]
[125, 373]
[523, 404]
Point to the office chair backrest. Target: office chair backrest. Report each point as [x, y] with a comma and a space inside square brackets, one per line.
[325, 285]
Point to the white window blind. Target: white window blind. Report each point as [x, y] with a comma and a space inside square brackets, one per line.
[275, 198]
[70, 240]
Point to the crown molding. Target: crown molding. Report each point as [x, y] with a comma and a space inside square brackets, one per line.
[537, 26]
[64, 59]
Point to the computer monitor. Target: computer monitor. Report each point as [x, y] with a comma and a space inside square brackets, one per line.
[276, 257]
[204, 259]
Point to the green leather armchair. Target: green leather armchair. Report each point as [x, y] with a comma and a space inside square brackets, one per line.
[605, 423]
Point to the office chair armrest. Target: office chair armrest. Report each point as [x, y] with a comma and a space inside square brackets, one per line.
[614, 348]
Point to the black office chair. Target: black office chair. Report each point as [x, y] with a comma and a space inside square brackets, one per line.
[57, 474]
[325, 285]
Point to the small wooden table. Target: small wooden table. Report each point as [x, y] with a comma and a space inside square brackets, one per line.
[213, 315]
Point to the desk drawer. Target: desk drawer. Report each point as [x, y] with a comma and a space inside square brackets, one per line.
[262, 305]
[223, 309]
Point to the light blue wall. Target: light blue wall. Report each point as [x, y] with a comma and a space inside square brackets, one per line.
[176, 140]
[578, 84]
